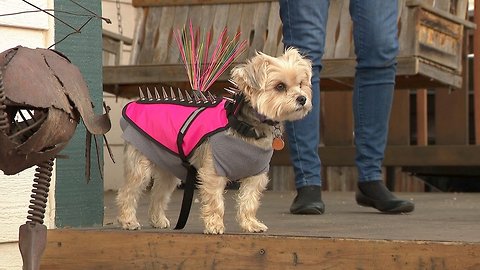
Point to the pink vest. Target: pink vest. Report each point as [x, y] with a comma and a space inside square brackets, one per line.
[178, 128]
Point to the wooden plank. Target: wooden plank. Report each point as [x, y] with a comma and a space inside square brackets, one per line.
[147, 45]
[138, 34]
[335, 76]
[399, 128]
[441, 13]
[146, 3]
[91, 249]
[274, 32]
[344, 39]
[452, 109]
[117, 37]
[179, 21]
[340, 178]
[446, 77]
[163, 35]
[405, 30]
[337, 118]
[422, 117]
[259, 28]
[246, 28]
[442, 5]
[331, 29]
[345, 67]
[439, 40]
[476, 70]
[432, 155]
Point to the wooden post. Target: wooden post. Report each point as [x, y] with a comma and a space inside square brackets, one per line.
[422, 117]
[476, 69]
[78, 203]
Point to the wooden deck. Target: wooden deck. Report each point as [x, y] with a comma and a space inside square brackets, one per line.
[442, 233]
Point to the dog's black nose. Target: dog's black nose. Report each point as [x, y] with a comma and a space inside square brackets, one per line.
[301, 100]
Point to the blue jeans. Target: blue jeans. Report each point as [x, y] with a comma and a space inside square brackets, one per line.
[376, 48]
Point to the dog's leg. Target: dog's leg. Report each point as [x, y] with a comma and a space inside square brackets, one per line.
[211, 190]
[248, 201]
[137, 176]
[163, 186]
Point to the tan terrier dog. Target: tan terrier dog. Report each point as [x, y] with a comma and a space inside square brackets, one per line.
[272, 90]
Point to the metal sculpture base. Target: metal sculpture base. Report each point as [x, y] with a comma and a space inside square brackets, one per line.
[32, 241]
[33, 234]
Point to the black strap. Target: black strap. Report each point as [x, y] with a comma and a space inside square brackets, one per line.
[243, 128]
[188, 191]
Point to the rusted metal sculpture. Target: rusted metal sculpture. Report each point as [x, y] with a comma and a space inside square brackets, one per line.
[42, 98]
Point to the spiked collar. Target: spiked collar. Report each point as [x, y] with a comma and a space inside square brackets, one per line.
[234, 107]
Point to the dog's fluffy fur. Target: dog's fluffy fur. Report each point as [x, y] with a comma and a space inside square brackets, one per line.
[277, 88]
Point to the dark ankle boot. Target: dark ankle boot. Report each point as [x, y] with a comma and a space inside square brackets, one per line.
[308, 201]
[375, 194]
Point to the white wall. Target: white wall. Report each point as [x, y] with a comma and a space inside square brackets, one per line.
[114, 171]
[30, 30]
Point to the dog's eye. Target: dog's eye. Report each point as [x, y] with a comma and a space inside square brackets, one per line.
[281, 87]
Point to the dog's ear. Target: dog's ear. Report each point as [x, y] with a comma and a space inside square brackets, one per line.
[253, 74]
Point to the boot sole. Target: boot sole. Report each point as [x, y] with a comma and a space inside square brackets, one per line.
[308, 210]
[396, 207]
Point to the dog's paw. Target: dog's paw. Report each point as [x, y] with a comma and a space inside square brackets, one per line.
[132, 225]
[214, 229]
[128, 222]
[253, 226]
[160, 222]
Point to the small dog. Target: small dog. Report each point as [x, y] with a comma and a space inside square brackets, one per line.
[274, 89]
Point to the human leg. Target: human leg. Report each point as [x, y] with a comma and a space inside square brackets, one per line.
[376, 47]
[304, 24]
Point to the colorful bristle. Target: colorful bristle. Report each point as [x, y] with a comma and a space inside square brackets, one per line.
[202, 68]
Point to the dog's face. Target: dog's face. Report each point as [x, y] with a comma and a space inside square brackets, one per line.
[278, 88]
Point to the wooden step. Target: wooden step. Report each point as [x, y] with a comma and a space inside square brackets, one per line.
[442, 233]
[116, 249]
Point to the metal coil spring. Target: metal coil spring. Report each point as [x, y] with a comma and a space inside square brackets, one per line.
[3, 107]
[40, 192]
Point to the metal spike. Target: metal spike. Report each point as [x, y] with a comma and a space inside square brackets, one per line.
[195, 96]
[172, 94]
[231, 90]
[180, 96]
[232, 82]
[149, 95]
[204, 98]
[189, 98]
[142, 96]
[157, 95]
[164, 93]
[211, 97]
[229, 99]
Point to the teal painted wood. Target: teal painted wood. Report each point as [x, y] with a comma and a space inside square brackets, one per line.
[78, 203]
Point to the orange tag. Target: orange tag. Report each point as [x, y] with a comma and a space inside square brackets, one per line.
[278, 143]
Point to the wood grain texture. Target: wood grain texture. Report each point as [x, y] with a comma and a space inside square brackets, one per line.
[399, 129]
[89, 249]
[422, 117]
[451, 117]
[145, 3]
[432, 155]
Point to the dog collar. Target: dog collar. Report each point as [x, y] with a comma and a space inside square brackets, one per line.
[233, 107]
